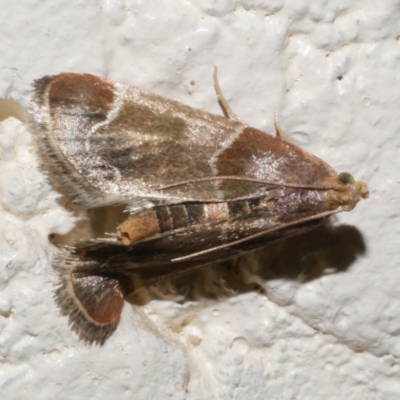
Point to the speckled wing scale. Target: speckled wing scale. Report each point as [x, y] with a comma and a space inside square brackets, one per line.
[199, 188]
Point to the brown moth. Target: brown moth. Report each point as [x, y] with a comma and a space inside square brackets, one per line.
[199, 188]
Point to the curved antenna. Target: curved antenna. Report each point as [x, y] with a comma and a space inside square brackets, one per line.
[254, 236]
[243, 179]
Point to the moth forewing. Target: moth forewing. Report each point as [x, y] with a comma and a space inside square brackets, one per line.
[199, 188]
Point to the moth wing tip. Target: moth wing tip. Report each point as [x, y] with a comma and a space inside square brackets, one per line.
[93, 310]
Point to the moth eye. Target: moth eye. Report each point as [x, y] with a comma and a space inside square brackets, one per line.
[345, 178]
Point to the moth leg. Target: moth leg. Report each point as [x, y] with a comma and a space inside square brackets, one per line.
[224, 104]
[279, 130]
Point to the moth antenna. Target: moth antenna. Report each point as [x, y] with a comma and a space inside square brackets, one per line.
[254, 236]
[244, 179]
[223, 102]
[279, 131]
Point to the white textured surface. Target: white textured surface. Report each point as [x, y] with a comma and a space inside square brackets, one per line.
[331, 70]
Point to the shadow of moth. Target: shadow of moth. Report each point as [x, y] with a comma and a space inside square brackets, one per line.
[199, 188]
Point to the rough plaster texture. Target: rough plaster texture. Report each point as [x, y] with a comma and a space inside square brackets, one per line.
[327, 323]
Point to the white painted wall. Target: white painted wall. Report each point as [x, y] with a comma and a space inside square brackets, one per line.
[331, 70]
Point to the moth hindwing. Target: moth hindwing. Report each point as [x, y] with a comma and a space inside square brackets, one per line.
[199, 188]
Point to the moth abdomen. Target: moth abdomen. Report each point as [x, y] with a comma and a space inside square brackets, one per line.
[172, 218]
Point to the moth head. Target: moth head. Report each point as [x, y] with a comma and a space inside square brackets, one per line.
[347, 193]
[358, 189]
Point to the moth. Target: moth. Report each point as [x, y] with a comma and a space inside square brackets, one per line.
[197, 188]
